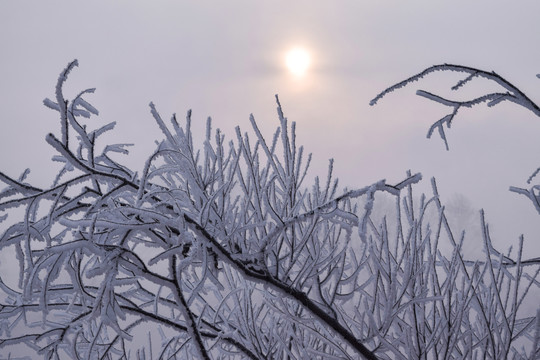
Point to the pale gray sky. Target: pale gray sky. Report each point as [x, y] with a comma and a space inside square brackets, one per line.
[226, 60]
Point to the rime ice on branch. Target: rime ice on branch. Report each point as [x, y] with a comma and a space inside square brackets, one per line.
[224, 250]
[509, 93]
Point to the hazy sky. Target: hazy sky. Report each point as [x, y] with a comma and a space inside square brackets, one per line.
[226, 60]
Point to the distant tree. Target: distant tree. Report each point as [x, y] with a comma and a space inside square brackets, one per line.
[222, 250]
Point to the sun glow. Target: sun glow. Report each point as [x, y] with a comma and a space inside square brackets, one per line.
[298, 61]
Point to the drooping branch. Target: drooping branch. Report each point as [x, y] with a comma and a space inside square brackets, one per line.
[512, 94]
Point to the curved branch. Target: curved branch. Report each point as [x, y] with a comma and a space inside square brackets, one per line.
[519, 97]
[512, 94]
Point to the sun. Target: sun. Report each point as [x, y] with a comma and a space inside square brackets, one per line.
[298, 61]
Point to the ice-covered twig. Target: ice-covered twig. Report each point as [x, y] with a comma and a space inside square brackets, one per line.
[62, 104]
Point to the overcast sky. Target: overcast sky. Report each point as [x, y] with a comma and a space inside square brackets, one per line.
[226, 60]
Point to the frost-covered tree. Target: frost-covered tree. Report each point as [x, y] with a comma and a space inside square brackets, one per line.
[225, 250]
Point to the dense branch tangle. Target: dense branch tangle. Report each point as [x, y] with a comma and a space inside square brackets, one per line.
[224, 254]
[186, 245]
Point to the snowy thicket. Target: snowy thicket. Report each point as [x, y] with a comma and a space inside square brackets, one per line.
[227, 250]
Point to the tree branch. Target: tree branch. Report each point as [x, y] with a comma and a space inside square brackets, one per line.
[512, 94]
